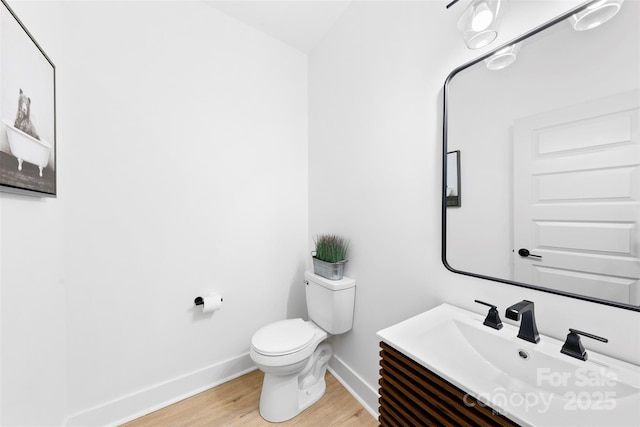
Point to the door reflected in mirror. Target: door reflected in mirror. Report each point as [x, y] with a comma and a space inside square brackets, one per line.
[552, 161]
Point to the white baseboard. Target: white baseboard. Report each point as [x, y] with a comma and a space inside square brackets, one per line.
[355, 385]
[135, 405]
[138, 404]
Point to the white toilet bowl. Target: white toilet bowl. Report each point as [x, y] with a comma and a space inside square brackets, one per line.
[294, 358]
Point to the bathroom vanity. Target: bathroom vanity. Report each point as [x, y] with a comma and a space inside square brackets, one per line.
[445, 367]
[411, 394]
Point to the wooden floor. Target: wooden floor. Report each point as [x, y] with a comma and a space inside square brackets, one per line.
[235, 403]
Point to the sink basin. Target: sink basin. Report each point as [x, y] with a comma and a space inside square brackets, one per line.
[532, 384]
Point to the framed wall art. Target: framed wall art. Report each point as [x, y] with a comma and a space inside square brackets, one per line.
[453, 179]
[27, 111]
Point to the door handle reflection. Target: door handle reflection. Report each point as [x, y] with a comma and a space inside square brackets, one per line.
[525, 253]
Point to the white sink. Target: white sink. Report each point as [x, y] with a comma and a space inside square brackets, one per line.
[532, 384]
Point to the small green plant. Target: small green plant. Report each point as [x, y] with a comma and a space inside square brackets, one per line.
[331, 248]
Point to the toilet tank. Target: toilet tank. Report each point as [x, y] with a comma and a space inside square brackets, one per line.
[330, 303]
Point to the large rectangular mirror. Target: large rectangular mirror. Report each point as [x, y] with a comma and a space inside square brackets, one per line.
[551, 171]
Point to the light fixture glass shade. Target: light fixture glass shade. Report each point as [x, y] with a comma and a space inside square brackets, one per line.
[479, 23]
[595, 14]
[503, 58]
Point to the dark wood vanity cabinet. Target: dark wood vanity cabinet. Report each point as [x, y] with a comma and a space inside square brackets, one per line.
[411, 395]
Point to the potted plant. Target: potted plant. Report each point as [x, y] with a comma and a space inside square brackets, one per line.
[330, 256]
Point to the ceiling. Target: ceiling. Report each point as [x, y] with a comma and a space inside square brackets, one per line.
[301, 24]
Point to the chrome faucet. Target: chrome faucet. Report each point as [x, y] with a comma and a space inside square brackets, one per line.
[528, 329]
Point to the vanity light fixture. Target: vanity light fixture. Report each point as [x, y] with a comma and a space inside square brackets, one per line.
[503, 58]
[479, 23]
[595, 14]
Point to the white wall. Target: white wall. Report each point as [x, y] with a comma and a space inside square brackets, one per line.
[375, 117]
[182, 143]
[33, 332]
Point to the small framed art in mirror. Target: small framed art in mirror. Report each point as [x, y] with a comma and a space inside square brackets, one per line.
[453, 179]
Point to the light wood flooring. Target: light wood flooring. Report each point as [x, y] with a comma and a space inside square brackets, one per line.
[235, 403]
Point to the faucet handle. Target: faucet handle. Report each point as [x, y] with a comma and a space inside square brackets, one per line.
[493, 317]
[574, 348]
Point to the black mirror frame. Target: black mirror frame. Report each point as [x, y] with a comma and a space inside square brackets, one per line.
[444, 173]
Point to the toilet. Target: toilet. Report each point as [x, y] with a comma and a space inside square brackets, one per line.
[294, 354]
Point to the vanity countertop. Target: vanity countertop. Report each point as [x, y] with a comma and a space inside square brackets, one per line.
[531, 384]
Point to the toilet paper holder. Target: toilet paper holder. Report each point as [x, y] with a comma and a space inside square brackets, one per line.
[200, 301]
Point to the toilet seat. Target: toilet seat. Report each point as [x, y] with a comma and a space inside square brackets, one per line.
[283, 337]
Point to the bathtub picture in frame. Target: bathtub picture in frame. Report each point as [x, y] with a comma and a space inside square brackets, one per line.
[27, 111]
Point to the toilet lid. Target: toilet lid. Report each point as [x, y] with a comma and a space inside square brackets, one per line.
[282, 337]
